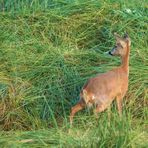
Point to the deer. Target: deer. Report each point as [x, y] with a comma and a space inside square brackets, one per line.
[101, 90]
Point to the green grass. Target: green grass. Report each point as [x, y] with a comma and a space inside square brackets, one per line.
[48, 49]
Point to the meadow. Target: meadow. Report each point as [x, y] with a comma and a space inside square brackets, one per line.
[48, 50]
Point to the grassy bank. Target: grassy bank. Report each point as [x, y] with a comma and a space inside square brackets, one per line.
[48, 49]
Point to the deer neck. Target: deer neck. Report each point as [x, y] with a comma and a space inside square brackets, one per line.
[125, 61]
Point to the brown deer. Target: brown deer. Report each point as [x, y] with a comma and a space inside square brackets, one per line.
[104, 88]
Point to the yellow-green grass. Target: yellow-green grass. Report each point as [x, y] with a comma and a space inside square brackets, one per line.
[48, 49]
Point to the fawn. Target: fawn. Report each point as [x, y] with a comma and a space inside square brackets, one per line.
[104, 88]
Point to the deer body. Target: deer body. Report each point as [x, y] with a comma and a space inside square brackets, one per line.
[104, 88]
[113, 83]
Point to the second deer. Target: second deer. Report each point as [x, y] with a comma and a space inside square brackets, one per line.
[104, 88]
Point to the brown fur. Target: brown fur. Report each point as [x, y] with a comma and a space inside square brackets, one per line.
[104, 88]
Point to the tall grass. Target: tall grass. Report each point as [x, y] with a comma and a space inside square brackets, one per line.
[48, 49]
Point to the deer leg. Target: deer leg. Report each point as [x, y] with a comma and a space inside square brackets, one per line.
[109, 114]
[100, 108]
[119, 105]
[79, 106]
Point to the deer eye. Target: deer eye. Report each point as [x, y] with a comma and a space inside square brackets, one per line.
[119, 45]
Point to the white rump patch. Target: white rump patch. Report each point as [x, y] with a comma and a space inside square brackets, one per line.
[85, 97]
[93, 97]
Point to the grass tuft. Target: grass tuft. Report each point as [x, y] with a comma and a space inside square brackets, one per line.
[48, 49]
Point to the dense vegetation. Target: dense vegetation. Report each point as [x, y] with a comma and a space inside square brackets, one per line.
[48, 49]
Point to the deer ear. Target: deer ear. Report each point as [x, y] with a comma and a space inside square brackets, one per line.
[118, 37]
[127, 38]
[126, 35]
